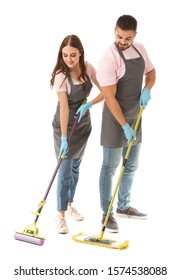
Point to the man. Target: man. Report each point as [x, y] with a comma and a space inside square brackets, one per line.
[121, 72]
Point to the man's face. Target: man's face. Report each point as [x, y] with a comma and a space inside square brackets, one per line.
[124, 38]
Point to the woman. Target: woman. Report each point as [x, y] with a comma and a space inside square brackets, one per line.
[72, 79]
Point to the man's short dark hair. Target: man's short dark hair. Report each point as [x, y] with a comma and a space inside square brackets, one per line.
[127, 22]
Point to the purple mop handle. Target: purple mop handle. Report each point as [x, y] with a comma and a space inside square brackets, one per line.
[58, 165]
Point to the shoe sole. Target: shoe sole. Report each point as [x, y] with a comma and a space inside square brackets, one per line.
[111, 230]
[63, 232]
[118, 215]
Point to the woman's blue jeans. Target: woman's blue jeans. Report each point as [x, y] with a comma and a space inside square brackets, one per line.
[111, 160]
[68, 175]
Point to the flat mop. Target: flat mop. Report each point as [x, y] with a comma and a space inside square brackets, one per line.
[30, 233]
[99, 240]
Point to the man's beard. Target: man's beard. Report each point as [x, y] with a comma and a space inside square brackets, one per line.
[123, 47]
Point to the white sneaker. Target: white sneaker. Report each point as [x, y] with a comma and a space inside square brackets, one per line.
[62, 226]
[74, 214]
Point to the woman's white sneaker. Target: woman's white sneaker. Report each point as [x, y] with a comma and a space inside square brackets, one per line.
[73, 213]
[62, 226]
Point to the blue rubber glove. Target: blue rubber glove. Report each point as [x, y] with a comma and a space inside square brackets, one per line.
[129, 132]
[82, 109]
[63, 147]
[145, 97]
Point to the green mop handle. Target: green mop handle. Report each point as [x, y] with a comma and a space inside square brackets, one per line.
[121, 173]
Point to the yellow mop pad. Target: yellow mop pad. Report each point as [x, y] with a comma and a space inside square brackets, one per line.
[95, 240]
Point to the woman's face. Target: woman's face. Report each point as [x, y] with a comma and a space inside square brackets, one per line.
[71, 56]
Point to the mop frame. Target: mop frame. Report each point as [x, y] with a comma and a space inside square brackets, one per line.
[30, 233]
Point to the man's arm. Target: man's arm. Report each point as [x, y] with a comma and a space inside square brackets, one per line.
[150, 78]
[109, 93]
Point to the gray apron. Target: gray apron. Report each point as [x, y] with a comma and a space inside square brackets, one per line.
[127, 94]
[82, 131]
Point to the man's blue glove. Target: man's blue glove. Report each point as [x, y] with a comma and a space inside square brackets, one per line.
[82, 110]
[129, 132]
[145, 97]
[63, 147]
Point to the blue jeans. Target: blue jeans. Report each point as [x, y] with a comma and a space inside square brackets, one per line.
[111, 160]
[68, 175]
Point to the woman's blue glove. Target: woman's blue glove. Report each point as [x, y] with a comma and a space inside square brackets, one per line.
[129, 132]
[82, 110]
[145, 97]
[63, 147]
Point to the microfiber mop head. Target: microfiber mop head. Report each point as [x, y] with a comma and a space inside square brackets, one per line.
[95, 240]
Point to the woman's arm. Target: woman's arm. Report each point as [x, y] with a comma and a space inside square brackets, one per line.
[64, 111]
[92, 75]
[100, 96]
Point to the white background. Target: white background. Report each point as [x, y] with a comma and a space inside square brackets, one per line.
[31, 33]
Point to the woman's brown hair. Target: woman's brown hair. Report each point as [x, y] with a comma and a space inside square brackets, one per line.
[61, 67]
